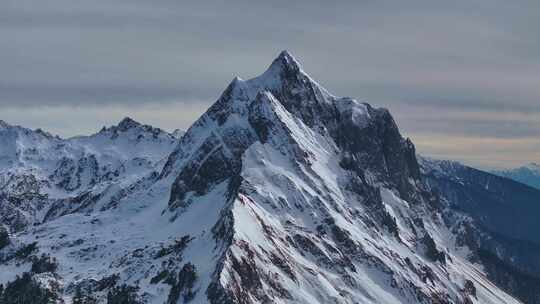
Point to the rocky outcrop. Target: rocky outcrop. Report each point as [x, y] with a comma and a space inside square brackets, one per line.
[41, 174]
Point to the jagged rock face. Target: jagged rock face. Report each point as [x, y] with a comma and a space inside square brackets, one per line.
[378, 147]
[279, 193]
[4, 237]
[39, 171]
[323, 191]
[367, 138]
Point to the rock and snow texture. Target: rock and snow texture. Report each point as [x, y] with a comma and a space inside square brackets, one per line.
[279, 193]
[38, 170]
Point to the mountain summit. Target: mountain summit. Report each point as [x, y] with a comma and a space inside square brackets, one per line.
[128, 123]
[279, 193]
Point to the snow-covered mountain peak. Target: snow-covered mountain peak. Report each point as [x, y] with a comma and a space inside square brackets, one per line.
[287, 56]
[285, 62]
[6, 127]
[279, 193]
[129, 130]
[286, 74]
[63, 169]
[354, 126]
[316, 187]
[124, 125]
[128, 123]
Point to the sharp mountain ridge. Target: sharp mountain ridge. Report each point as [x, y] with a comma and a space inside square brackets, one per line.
[280, 192]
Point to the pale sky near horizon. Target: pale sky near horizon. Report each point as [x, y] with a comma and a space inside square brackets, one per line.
[462, 78]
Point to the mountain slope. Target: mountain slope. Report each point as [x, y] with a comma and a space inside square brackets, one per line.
[528, 175]
[279, 193]
[38, 170]
[496, 218]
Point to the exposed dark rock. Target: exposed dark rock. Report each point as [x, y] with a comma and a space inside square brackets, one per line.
[44, 263]
[26, 251]
[379, 147]
[82, 202]
[431, 249]
[25, 290]
[177, 247]
[183, 287]
[83, 297]
[4, 237]
[160, 276]
[123, 294]
[469, 288]
[283, 264]
[127, 123]
[524, 286]
[107, 282]
[212, 166]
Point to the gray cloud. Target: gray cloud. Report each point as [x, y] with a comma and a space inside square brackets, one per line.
[478, 60]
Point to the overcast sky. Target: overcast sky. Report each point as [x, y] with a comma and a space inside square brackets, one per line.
[461, 77]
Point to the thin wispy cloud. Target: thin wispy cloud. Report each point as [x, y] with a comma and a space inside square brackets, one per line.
[446, 69]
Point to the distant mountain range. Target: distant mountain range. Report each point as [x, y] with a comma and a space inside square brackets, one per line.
[529, 174]
[280, 192]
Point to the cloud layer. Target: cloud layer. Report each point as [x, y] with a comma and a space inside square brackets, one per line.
[460, 76]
